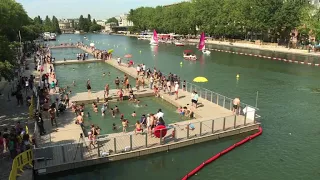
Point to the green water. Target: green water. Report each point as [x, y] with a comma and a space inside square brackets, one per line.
[67, 53]
[288, 101]
[127, 108]
[80, 73]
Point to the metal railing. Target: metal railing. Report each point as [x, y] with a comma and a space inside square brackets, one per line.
[214, 97]
[107, 145]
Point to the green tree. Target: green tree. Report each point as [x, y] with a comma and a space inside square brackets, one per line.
[55, 25]
[81, 23]
[94, 21]
[94, 28]
[89, 18]
[48, 27]
[12, 19]
[38, 20]
[113, 20]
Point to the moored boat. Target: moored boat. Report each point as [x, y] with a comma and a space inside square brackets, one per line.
[178, 44]
[189, 55]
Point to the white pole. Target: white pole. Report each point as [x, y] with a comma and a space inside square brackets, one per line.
[257, 99]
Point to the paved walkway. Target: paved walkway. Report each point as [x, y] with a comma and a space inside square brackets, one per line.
[10, 113]
[66, 131]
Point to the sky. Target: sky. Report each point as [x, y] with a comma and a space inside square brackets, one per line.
[98, 9]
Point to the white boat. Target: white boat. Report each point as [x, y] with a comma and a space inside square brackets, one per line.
[202, 45]
[52, 36]
[178, 44]
[190, 57]
[77, 32]
[154, 39]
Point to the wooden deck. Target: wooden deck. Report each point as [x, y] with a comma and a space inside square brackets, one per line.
[77, 61]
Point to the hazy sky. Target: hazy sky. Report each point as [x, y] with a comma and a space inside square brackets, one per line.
[98, 9]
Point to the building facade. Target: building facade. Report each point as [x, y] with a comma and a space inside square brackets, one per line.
[109, 27]
[123, 21]
[101, 22]
[66, 25]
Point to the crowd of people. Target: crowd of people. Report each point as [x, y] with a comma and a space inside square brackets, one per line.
[15, 140]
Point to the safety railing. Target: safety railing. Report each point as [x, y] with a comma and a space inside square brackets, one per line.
[111, 144]
[214, 97]
[19, 162]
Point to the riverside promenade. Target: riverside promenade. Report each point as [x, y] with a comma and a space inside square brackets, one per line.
[214, 119]
[281, 49]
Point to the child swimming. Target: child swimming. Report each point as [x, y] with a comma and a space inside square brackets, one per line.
[134, 114]
[112, 113]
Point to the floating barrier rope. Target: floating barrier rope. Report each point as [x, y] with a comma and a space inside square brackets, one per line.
[267, 57]
[215, 157]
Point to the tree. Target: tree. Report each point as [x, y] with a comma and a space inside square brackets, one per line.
[55, 25]
[48, 27]
[89, 19]
[38, 20]
[113, 20]
[81, 23]
[94, 21]
[95, 27]
[12, 19]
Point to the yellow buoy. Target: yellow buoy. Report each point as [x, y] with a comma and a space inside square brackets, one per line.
[140, 51]
[238, 76]
[181, 63]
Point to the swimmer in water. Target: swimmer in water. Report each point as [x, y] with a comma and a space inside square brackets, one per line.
[104, 74]
[114, 127]
[134, 114]
[73, 69]
[88, 114]
[109, 74]
[74, 83]
[112, 113]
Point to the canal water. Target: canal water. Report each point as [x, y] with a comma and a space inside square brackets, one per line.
[288, 101]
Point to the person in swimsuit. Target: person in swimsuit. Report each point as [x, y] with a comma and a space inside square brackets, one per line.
[88, 86]
[112, 113]
[52, 111]
[106, 90]
[120, 94]
[66, 97]
[117, 82]
[137, 84]
[138, 127]
[127, 84]
[236, 104]
[124, 125]
[134, 114]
